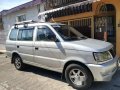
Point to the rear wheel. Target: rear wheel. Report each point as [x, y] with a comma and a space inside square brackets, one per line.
[19, 65]
[78, 77]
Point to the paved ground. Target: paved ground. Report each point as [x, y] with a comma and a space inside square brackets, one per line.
[33, 78]
[2, 46]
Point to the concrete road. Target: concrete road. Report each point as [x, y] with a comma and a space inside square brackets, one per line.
[34, 78]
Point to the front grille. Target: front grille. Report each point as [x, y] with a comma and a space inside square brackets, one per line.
[112, 51]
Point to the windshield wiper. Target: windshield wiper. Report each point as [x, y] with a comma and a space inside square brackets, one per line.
[71, 38]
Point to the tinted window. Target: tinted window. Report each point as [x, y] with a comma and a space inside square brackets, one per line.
[68, 33]
[45, 34]
[25, 34]
[13, 34]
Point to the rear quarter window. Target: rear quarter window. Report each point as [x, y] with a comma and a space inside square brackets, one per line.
[13, 34]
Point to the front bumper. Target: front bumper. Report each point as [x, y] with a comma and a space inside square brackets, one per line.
[104, 72]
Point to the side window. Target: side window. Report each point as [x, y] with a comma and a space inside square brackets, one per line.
[45, 34]
[25, 34]
[13, 34]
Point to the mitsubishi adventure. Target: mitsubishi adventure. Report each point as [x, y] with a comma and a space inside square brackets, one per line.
[61, 48]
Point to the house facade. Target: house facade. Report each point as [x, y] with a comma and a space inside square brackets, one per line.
[24, 12]
[99, 19]
[1, 24]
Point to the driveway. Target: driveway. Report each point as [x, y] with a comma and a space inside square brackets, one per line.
[34, 78]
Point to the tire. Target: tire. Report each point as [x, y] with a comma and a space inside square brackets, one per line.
[19, 65]
[78, 77]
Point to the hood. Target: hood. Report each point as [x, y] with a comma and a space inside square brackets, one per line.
[92, 45]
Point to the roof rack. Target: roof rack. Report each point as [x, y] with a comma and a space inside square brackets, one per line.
[25, 23]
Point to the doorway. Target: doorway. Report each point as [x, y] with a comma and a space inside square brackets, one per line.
[105, 24]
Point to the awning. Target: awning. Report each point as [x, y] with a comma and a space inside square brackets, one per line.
[68, 6]
[49, 11]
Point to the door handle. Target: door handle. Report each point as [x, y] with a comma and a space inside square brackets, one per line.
[18, 46]
[36, 48]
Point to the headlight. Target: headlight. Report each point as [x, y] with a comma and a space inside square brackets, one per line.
[102, 56]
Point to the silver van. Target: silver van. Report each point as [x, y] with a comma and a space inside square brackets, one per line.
[63, 49]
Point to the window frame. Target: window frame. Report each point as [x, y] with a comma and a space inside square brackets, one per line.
[32, 28]
[37, 33]
[17, 18]
[16, 34]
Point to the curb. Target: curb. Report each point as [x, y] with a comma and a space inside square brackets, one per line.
[2, 51]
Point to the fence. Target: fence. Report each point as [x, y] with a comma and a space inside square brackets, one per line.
[3, 35]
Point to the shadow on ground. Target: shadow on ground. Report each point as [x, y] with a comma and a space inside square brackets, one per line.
[1, 53]
[44, 72]
[115, 82]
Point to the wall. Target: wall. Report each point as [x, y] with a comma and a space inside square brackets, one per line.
[3, 36]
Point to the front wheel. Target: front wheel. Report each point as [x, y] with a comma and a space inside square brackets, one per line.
[78, 77]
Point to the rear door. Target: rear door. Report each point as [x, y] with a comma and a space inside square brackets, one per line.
[25, 43]
[11, 42]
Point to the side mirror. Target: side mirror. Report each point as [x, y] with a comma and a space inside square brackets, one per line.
[55, 38]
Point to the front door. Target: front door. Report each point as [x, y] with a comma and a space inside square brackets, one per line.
[47, 52]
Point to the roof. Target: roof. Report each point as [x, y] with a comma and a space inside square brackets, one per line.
[23, 6]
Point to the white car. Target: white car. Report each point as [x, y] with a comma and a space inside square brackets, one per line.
[63, 49]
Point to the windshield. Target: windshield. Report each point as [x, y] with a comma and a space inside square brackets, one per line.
[68, 33]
